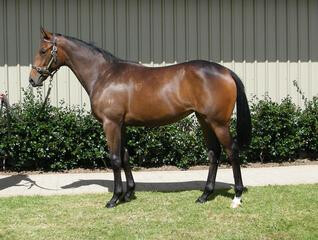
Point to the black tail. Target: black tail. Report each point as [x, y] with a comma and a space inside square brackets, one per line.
[243, 121]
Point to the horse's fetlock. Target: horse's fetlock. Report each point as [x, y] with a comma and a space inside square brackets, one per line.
[208, 188]
[239, 190]
[118, 192]
[131, 185]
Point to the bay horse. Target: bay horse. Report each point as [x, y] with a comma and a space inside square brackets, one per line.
[124, 93]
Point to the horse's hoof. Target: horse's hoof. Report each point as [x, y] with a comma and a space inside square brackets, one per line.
[236, 202]
[111, 204]
[200, 200]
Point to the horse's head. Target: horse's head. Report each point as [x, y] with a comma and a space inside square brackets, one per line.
[47, 60]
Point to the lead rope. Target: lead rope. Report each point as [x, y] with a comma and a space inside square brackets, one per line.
[47, 94]
[46, 99]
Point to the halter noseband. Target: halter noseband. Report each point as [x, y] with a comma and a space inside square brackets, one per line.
[44, 71]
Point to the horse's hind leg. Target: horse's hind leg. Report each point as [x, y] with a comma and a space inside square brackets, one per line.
[129, 177]
[214, 151]
[231, 147]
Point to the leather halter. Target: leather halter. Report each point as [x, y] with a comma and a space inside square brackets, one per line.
[45, 71]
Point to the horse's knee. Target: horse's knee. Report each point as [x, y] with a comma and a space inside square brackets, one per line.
[115, 162]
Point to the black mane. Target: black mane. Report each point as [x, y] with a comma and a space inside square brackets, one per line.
[107, 55]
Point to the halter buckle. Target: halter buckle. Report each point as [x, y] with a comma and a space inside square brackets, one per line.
[54, 52]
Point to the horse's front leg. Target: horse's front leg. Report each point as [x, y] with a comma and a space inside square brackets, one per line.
[113, 135]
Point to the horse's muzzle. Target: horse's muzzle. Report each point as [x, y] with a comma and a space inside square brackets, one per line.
[36, 83]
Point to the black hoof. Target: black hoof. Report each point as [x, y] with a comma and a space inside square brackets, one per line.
[111, 204]
[201, 200]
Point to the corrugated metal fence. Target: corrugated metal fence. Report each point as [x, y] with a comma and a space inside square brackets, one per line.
[269, 43]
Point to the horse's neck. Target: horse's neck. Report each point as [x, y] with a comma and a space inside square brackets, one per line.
[85, 65]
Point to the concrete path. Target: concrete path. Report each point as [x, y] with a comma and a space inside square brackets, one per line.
[52, 184]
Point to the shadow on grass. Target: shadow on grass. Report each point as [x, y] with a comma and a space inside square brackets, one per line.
[149, 187]
[16, 180]
[221, 187]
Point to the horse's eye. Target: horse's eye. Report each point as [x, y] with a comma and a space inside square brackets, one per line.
[42, 50]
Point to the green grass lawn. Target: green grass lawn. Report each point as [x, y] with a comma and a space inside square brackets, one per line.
[274, 212]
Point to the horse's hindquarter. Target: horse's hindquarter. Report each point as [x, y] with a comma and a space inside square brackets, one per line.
[216, 97]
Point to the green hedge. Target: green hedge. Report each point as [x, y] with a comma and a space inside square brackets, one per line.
[276, 131]
[66, 138]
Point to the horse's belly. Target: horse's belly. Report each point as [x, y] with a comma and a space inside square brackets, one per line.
[154, 120]
[159, 104]
[155, 112]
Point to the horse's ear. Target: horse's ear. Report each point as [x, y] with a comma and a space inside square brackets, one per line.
[45, 34]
